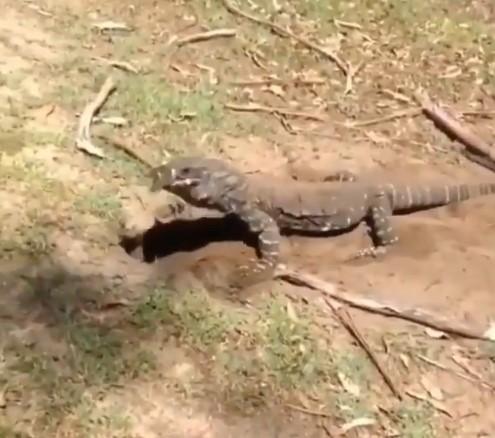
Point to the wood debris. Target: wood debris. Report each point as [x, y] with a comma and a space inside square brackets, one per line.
[83, 136]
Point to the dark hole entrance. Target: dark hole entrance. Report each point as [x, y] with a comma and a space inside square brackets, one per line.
[164, 239]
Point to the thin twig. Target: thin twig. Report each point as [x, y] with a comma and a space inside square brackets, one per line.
[414, 314]
[482, 114]
[205, 36]
[254, 107]
[111, 25]
[352, 73]
[346, 320]
[464, 376]
[276, 81]
[411, 112]
[122, 65]
[309, 411]
[129, 150]
[83, 137]
[280, 30]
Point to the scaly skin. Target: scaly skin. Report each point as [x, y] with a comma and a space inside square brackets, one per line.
[269, 205]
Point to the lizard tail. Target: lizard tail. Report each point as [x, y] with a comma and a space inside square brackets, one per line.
[436, 196]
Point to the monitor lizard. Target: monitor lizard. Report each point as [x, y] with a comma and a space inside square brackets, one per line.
[270, 206]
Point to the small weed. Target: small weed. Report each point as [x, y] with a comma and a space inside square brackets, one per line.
[101, 357]
[291, 353]
[30, 237]
[106, 420]
[151, 99]
[100, 203]
[196, 317]
[353, 365]
[94, 360]
[415, 421]
[251, 352]
[351, 407]
[154, 310]
[184, 115]
[42, 138]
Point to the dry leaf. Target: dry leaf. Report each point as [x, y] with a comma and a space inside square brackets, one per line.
[357, 422]
[377, 138]
[291, 312]
[435, 334]
[212, 77]
[115, 121]
[405, 360]
[439, 406]
[348, 385]
[465, 365]
[452, 72]
[433, 390]
[276, 90]
[110, 25]
[90, 148]
[490, 333]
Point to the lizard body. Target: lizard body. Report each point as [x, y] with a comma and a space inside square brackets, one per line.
[269, 206]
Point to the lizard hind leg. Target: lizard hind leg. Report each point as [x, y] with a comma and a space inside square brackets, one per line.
[380, 227]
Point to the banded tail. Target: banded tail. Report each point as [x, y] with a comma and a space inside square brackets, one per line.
[405, 197]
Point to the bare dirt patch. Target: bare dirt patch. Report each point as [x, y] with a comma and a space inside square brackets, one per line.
[100, 342]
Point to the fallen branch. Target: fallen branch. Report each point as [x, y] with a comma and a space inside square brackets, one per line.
[414, 314]
[345, 319]
[281, 31]
[254, 107]
[205, 36]
[453, 128]
[83, 137]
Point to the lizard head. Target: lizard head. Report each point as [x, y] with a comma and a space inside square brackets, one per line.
[179, 172]
[199, 179]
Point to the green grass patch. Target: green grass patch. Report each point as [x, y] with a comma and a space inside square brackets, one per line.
[100, 202]
[415, 420]
[254, 356]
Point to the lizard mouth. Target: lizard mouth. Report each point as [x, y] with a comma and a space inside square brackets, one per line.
[185, 182]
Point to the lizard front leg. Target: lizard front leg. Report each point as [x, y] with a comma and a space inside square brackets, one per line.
[268, 248]
[379, 226]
